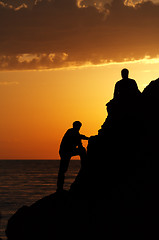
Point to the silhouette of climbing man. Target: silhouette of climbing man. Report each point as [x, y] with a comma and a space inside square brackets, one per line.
[71, 145]
[126, 88]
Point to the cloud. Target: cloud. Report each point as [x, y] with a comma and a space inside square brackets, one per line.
[8, 83]
[99, 4]
[61, 33]
[81, 3]
[16, 4]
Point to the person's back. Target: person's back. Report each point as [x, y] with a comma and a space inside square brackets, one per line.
[70, 141]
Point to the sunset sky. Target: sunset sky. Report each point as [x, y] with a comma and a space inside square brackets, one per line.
[59, 62]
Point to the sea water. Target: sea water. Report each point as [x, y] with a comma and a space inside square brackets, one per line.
[22, 182]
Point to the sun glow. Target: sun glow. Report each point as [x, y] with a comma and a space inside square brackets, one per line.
[37, 107]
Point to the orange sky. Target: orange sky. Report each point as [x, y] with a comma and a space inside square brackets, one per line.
[37, 107]
[59, 61]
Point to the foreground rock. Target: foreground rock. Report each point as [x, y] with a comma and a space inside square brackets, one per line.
[116, 195]
[53, 217]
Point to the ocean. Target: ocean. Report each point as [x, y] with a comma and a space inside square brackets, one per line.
[22, 182]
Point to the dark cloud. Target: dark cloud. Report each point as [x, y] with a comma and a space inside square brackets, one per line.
[60, 33]
[17, 3]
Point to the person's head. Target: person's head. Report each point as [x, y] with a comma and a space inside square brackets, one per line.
[124, 73]
[77, 125]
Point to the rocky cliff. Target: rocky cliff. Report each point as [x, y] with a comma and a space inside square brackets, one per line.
[115, 196]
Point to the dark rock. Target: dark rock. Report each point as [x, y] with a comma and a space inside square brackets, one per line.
[115, 196]
[53, 217]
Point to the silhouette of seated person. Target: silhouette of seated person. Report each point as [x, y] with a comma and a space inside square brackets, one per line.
[126, 88]
[124, 104]
[71, 145]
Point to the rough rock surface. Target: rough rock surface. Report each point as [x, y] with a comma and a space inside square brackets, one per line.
[116, 195]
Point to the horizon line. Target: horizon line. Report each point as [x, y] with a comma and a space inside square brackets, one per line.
[32, 159]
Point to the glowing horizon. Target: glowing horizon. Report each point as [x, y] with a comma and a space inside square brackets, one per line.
[37, 107]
